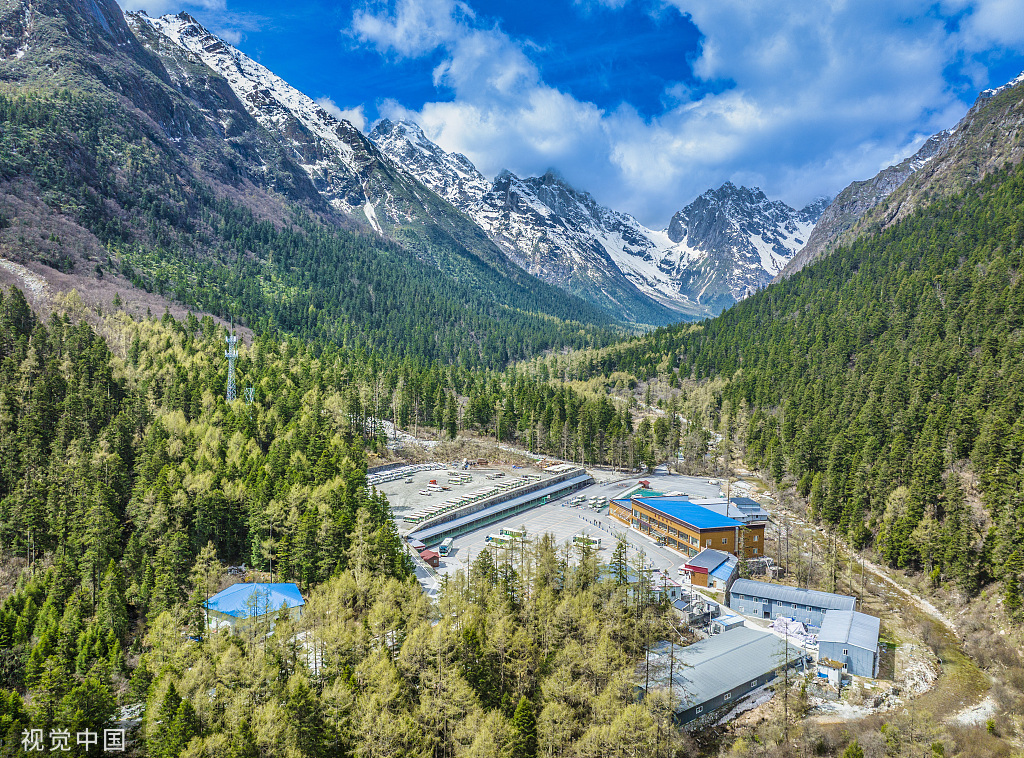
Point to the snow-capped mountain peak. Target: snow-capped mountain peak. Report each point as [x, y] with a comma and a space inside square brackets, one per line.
[332, 151]
[727, 243]
[451, 175]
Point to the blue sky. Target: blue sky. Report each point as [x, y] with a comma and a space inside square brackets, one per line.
[644, 104]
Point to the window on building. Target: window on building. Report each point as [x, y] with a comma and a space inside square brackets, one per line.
[755, 538]
[845, 652]
[728, 696]
[753, 683]
[707, 544]
[700, 709]
[755, 551]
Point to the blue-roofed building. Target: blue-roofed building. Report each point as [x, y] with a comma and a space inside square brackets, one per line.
[711, 568]
[851, 638]
[688, 527]
[239, 604]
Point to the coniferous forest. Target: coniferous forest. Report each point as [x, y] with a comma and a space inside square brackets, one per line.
[883, 384]
[168, 232]
[885, 380]
[129, 485]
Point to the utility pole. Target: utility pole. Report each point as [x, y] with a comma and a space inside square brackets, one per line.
[206, 607]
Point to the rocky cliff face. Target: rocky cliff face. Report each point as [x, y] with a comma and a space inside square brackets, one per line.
[857, 199]
[988, 136]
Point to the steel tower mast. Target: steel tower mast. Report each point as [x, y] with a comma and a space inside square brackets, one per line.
[231, 354]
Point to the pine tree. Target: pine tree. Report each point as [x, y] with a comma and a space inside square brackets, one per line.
[163, 739]
[112, 609]
[853, 750]
[620, 564]
[524, 731]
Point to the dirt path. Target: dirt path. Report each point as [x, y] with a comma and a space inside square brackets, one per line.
[959, 693]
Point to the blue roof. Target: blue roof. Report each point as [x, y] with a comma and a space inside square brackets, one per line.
[726, 570]
[685, 511]
[239, 600]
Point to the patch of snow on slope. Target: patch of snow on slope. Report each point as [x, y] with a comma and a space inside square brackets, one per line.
[254, 83]
[371, 216]
[997, 90]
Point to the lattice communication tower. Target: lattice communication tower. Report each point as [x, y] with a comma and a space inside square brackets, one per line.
[232, 355]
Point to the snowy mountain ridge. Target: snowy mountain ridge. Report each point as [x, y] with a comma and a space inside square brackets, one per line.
[332, 151]
[727, 243]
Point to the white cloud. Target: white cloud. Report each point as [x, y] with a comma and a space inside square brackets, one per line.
[817, 95]
[354, 116]
[415, 27]
[231, 36]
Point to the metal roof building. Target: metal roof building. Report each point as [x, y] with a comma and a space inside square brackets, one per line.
[550, 489]
[684, 526]
[770, 601]
[688, 512]
[852, 639]
[720, 670]
[711, 568]
[740, 508]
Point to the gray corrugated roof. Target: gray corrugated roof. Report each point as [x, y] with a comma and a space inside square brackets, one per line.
[708, 559]
[850, 628]
[734, 509]
[746, 502]
[784, 594]
[720, 663]
[426, 534]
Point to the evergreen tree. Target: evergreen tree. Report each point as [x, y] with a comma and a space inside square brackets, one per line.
[524, 731]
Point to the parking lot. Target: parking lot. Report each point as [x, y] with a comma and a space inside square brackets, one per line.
[564, 521]
[406, 498]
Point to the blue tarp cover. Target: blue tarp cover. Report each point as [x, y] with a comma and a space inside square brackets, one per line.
[239, 600]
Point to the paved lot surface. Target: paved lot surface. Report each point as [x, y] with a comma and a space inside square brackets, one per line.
[565, 521]
[405, 498]
[560, 517]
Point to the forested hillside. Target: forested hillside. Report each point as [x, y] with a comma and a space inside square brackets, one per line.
[885, 380]
[110, 166]
[129, 483]
[170, 233]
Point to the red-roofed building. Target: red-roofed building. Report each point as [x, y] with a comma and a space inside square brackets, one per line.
[432, 559]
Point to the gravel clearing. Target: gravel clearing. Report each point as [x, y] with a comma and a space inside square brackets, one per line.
[36, 285]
